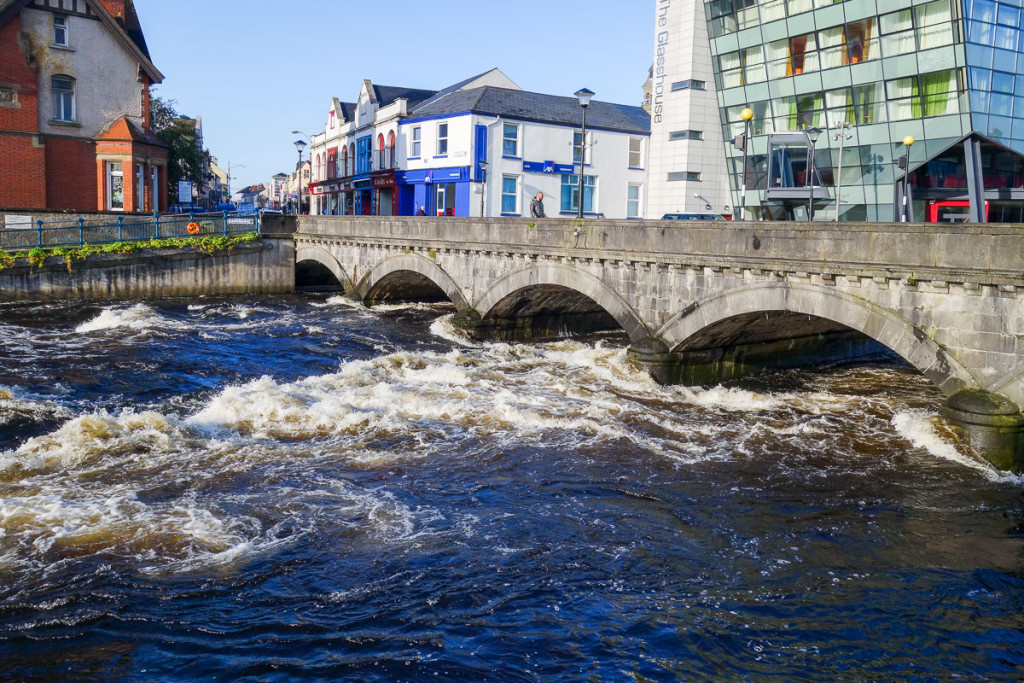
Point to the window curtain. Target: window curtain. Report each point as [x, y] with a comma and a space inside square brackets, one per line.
[754, 71]
[936, 89]
[839, 104]
[935, 27]
[773, 10]
[732, 75]
[777, 54]
[798, 6]
[832, 40]
[904, 102]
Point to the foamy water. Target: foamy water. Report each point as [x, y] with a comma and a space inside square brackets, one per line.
[367, 494]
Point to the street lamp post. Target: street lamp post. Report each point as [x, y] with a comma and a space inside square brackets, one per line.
[584, 96]
[842, 134]
[230, 177]
[299, 145]
[299, 171]
[747, 115]
[904, 209]
[812, 137]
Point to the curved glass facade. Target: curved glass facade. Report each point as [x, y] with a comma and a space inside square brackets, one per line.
[938, 71]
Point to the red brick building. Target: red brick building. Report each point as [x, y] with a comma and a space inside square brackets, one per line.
[75, 129]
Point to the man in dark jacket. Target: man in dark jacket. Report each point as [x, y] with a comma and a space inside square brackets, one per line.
[537, 206]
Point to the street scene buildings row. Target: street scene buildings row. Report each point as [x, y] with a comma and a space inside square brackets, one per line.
[482, 147]
[769, 110]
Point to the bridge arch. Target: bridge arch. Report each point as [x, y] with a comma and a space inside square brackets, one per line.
[311, 252]
[555, 275]
[828, 304]
[411, 271]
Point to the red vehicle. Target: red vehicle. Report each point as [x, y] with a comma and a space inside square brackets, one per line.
[951, 211]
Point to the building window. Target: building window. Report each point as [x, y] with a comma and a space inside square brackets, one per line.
[510, 141]
[571, 193]
[62, 91]
[633, 201]
[510, 194]
[115, 187]
[417, 137]
[442, 139]
[677, 135]
[391, 147]
[636, 147]
[693, 176]
[688, 85]
[577, 140]
[930, 94]
[60, 31]
[381, 156]
[680, 176]
[332, 162]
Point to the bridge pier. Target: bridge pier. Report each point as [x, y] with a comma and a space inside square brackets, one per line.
[992, 424]
[711, 365]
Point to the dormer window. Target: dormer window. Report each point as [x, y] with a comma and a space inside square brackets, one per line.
[60, 31]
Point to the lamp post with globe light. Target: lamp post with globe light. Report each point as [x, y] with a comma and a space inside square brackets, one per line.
[905, 163]
[747, 115]
[584, 96]
[812, 138]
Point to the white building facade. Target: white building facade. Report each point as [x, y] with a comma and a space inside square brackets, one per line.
[688, 168]
[482, 147]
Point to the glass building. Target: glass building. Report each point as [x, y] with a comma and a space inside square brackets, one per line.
[947, 73]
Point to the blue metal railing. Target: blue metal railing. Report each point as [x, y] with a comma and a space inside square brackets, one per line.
[128, 228]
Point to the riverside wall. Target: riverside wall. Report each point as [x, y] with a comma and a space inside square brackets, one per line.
[266, 266]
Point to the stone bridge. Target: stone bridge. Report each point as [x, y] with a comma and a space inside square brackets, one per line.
[706, 301]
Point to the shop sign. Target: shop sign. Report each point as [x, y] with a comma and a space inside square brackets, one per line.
[384, 180]
[548, 167]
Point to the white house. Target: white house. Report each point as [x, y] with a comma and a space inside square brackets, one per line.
[482, 147]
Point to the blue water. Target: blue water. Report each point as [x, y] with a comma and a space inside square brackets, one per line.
[298, 488]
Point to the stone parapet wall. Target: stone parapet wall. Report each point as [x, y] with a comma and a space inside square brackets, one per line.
[266, 266]
[972, 253]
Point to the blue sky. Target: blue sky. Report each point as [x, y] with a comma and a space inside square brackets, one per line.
[259, 69]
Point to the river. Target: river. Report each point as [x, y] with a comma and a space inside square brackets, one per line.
[299, 488]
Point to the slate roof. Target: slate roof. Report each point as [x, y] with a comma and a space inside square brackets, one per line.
[452, 88]
[387, 94]
[537, 107]
[348, 111]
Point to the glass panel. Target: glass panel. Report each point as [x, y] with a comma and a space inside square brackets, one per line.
[839, 106]
[1002, 82]
[770, 11]
[509, 194]
[895, 22]
[858, 41]
[984, 10]
[935, 36]
[1008, 16]
[754, 71]
[831, 41]
[1005, 37]
[933, 13]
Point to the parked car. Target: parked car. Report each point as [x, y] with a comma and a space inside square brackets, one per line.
[692, 217]
[262, 211]
[228, 207]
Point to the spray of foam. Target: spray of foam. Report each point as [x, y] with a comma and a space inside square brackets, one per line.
[137, 317]
[919, 428]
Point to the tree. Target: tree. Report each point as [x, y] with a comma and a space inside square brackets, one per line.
[186, 158]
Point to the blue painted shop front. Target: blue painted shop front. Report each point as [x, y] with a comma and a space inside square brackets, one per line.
[440, 191]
